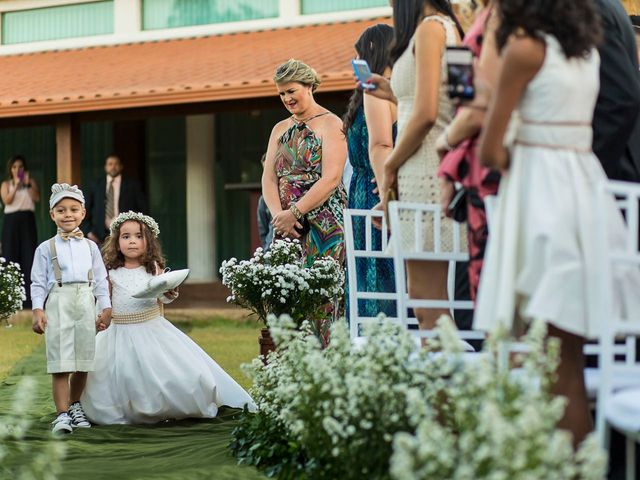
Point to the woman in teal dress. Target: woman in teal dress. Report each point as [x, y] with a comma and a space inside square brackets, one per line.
[302, 179]
[373, 275]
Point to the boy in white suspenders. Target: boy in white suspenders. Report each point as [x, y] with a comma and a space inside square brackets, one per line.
[69, 274]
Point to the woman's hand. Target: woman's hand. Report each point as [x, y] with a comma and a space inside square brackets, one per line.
[382, 90]
[285, 224]
[442, 145]
[447, 191]
[377, 221]
[26, 178]
[390, 181]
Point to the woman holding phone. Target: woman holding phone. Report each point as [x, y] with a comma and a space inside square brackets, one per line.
[457, 145]
[423, 30]
[20, 193]
[302, 177]
[370, 127]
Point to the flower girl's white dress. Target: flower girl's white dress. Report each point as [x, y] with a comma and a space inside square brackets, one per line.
[148, 370]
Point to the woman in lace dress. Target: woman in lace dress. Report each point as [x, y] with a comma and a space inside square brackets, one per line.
[423, 29]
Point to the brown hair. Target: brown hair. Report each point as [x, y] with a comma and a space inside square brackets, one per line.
[12, 160]
[152, 260]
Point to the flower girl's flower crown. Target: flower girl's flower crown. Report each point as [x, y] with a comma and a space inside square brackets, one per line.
[136, 216]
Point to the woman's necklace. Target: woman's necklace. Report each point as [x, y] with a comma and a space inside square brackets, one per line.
[306, 119]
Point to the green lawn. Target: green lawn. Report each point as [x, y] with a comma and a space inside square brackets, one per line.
[15, 343]
[182, 450]
[230, 342]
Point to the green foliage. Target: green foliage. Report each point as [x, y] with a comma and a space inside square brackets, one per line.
[260, 442]
[12, 292]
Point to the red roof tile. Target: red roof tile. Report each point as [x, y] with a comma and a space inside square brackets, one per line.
[222, 67]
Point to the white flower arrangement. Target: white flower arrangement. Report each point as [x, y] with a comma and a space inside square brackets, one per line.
[390, 408]
[278, 282]
[12, 292]
[138, 217]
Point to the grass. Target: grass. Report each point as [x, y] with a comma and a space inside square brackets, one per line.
[230, 342]
[15, 343]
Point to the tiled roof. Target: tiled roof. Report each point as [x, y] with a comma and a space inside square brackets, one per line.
[222, 67]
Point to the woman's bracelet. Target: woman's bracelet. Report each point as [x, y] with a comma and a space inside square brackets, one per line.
[296, 213]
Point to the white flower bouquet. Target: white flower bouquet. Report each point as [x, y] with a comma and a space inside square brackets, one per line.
[390, 409]
[12, 292]
[278, 282]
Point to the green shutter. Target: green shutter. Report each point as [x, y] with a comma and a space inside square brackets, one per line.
[38, 145]
[324, 6]
[54, 23]
[167, 185]
[182, 13]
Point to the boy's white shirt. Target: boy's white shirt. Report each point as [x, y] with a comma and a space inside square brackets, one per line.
[76, 257]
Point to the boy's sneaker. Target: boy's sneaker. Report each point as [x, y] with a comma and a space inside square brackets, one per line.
[78, 418]
[62, 424]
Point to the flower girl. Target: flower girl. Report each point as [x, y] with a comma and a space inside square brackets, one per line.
[146, 370]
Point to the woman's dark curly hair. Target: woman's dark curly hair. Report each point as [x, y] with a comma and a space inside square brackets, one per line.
[152, 260]
[576, 24]
[372, 46]
[406, 17]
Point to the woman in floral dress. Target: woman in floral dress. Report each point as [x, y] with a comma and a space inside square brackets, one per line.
[302, 179]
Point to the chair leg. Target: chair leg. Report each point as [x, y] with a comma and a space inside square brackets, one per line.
[631, 458]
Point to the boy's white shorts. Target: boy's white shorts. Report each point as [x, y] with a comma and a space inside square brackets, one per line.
[70, 334]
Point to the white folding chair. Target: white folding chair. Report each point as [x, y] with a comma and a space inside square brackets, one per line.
[426, 213]
[618, 406]
[360, 292]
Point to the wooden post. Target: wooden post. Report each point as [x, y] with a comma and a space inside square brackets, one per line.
[68, 150]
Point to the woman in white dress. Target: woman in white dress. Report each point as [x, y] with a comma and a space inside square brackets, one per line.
[423, 29]
[542, 250]
[147, 370]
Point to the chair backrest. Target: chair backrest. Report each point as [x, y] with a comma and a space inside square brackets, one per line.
[422, 214]
[619, 332]
[361, 244]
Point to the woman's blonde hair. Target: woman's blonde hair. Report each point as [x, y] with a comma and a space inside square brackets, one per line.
[296, 71]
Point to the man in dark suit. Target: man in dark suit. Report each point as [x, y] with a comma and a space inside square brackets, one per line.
[616, 121]
[109, 196]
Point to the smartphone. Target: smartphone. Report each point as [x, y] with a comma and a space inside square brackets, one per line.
[460, 73]
[21, 174]
[363, 73]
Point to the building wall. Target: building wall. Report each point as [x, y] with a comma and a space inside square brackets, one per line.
[36, 25]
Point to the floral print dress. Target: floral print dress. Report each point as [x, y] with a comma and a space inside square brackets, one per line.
[298, 164]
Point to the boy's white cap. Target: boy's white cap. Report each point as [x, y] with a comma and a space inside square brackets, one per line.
[64, 190]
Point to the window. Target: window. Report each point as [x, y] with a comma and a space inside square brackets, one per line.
[181, 13]
[53, 23]
[324, 6]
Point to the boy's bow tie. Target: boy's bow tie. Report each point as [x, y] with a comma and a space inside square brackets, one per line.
[69, 235]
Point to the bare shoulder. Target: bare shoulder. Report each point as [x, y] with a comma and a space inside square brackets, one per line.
[525, 52]
[329, 124]
[431, 29]
[280, 127]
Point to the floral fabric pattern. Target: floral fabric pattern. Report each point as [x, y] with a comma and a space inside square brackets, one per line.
[298, 166]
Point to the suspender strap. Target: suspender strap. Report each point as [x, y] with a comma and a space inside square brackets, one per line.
[57, 272]
[90, 274]
[54, 260]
